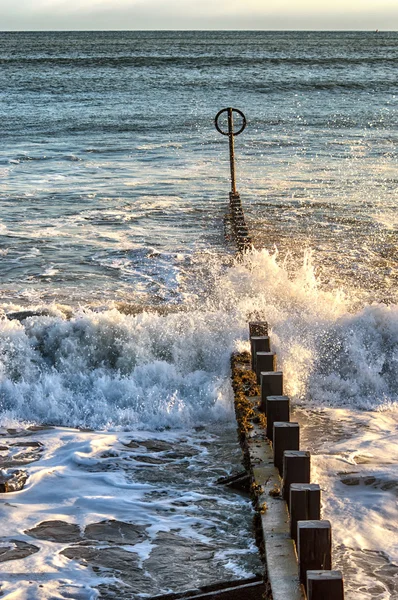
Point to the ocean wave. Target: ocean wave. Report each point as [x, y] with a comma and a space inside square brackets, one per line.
[110, 369]
[199, 61]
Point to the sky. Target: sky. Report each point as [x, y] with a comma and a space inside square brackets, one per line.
[198, 14]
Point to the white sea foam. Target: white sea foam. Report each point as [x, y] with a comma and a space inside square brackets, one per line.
[87, 477]
[329, 354]
[354, 459]
[159, 146]
[388, 219]
[113, 372]
[50, 272]
[109, 369]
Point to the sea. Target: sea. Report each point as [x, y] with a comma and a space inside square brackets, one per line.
[122, 298]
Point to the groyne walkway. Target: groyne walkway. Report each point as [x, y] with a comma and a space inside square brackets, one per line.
[295, 543]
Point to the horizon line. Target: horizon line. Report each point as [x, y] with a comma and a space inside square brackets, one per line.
[376, 30]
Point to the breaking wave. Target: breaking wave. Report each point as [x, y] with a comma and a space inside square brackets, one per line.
[171, 369]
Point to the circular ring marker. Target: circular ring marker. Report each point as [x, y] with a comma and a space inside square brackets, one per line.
[218, 115]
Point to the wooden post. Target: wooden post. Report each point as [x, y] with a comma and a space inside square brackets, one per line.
[257, 328]
[296, 469]
[286, 436]
[241, 231]
[244, 243]
[271, 385]
[265, 362]
[314, 547]
[258, 344]
[305, 505]
[325, 585]
[277, 408]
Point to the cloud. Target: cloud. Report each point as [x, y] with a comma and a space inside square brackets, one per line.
[194, 14]
[209, 7]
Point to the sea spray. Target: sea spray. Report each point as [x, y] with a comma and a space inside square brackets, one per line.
[166, 373]
[108, 369]
[331, 352]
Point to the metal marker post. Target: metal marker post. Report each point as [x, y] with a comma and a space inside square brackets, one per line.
[231, 149]
[237, 219]
[231, 134]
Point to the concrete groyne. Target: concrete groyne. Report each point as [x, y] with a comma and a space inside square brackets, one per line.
[294, 541]
[240, 230]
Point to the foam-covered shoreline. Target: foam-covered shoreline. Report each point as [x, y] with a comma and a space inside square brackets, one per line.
[102, 513]
[167, 373]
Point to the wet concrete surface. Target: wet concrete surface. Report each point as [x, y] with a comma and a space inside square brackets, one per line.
[137, 558]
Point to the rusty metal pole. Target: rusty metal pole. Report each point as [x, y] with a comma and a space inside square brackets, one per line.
[231, 150]
[237, 219]
[231, 134]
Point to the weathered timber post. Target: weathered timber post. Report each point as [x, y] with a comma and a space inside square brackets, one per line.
[311, 535]
[265, 362]
[325, 585]
[237, 211]
[314, 547]
[243, 244]
[305, 505]
[296, 469]
[231, 150]
[277, 408]
[236, 203]
[258, 344]
[258, 328]
[286, 436]
[240, 224]
[271, 385]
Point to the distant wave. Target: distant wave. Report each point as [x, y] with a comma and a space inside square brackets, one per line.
[199, 61]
